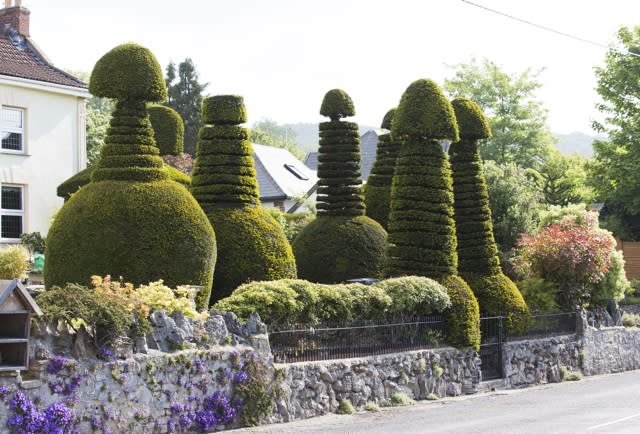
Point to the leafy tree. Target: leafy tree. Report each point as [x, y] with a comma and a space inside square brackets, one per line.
[615, 171]
[515, 202]
[562, 179]
[267, 132]
[516, 118]
[185, 97]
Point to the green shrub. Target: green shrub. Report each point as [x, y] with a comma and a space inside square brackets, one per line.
[168, 129]
[341, 243]
[34, 242]
[432, 397]
[630, 319]
[251, 243]
[614, 283]
[14, 261]
[498, 296]
[400, 399]
[372, 407]
[255, 394]
[345, 407]
[539, 294]
[334, 249]
[463, 319]
[130, 220]
[414, 296]
[377, 196]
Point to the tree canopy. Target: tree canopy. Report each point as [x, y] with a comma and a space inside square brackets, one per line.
[185, 97]
[615, 170]
[517, 119]
[269, 133]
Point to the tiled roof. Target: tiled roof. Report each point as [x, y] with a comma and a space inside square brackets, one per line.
[18, 58]
[311, 160]
[275, 180]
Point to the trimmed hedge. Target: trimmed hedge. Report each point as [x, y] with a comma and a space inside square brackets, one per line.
[477, 249]
[334, 249]
[129, 71]
[251, 243]
[303, 302]
[341, 243]
[251, 246]
[377, 196]
[168, 129]
[131, 221]
[424, 112]
[82, 178]
[463, 319]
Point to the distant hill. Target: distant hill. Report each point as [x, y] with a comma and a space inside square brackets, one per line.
[307, 139]
[307, 135]
[577, 142]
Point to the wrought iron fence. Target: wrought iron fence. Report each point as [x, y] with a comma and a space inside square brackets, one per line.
[300, 343]
[547, 325]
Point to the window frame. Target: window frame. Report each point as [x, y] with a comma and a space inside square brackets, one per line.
[12, 212]
[21, 131]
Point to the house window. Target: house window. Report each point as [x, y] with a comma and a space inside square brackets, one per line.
[12, 129]
[291, 168]
[11, 211]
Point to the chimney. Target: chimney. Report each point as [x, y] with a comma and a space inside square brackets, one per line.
[15, 16]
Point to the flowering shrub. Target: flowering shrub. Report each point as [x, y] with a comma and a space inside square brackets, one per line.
[573, 253]
[57, 418]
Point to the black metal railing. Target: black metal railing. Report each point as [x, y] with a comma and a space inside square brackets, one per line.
[546, 325]
[338, 341]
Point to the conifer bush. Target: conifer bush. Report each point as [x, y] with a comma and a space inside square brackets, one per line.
[477, 250]
[131, 220]
[377, 196]
[342, 243]
[422, 233]
[251, 243]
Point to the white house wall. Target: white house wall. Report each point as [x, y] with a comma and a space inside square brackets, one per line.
[55, 146]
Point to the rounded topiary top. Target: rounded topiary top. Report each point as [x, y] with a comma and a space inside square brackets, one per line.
[224, 110]
[168, 129]
[337, 105]
[388, 119]
[425, 112]
[128, 71]
[472, 122]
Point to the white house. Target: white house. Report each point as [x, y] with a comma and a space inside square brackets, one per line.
[284, 181]
[42, 128]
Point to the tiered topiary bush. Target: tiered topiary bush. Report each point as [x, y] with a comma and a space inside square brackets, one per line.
[422, 234]
[251, 244]
[131, 220]
[342, 243]
[477, 251]
[168, 132]
[377, 195]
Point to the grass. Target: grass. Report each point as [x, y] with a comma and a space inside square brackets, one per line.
[400, 399]
[432, 397]
[372, 407]
[345, 407]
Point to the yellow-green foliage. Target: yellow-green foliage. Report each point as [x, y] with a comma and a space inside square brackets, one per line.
[472, 123]
[251, 246]
[14, 261]
[333, 249]
[128, 71]
[424, 112]
[463, 319]
[224, 110]
[377, 196]
[498, 295]
[82, 178]
[337, 104]
[168, 129]
[303, 302]
[142, 231]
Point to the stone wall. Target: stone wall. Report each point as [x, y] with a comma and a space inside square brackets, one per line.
[313, 389]
[613, 349]
[538, 361]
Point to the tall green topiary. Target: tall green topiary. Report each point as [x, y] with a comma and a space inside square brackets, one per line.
[168, 129]
[422, 234]
[131, 220]
[251, 244]
[377, 195]
[341, 243]
[477, 250]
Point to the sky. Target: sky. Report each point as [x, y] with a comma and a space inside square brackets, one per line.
[284, 55]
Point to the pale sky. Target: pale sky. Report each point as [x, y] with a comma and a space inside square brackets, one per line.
[284, 55]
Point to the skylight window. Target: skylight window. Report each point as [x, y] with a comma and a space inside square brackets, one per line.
[291, 168]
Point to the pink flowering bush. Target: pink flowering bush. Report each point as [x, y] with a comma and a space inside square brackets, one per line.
[572, 253]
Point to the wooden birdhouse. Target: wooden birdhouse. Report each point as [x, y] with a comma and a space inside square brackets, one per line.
[16, 309]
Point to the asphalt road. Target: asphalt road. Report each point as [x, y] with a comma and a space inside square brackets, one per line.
[601, 404]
